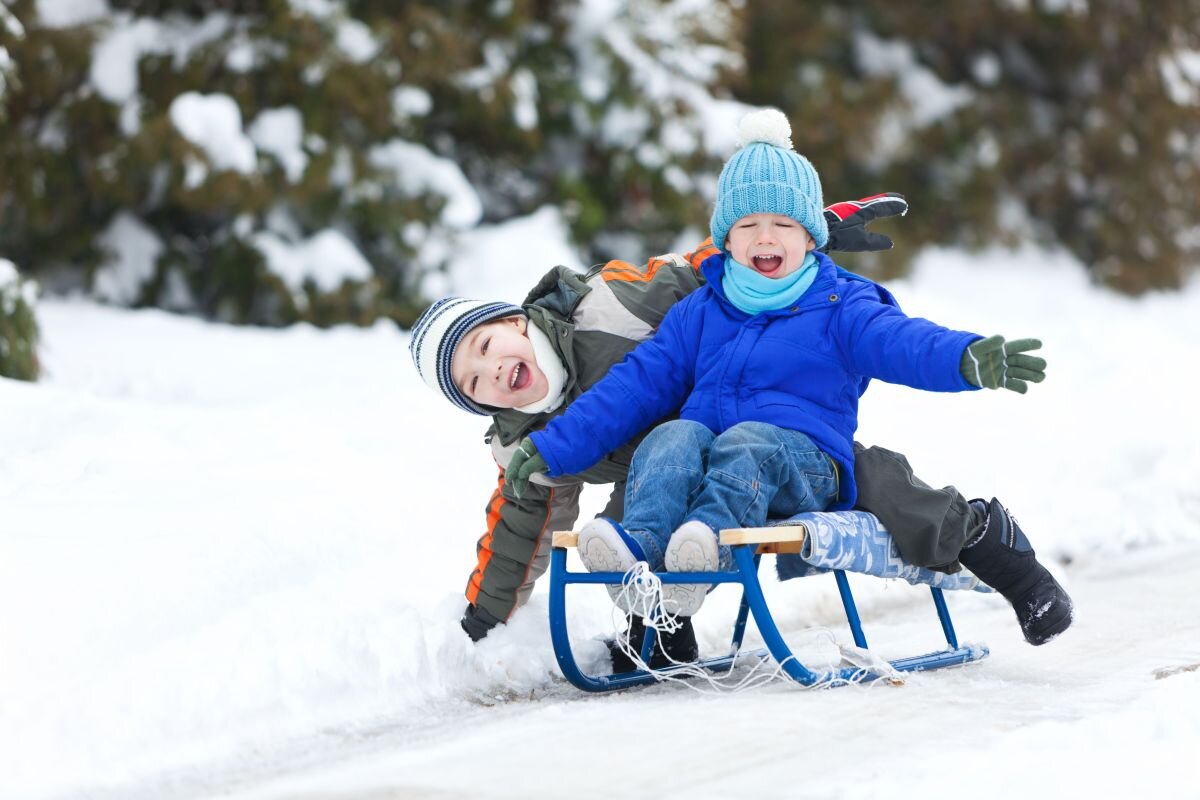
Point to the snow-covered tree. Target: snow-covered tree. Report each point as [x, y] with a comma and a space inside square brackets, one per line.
[286, 160]
[312, 159]
[10, 30]
[1067, 121]
[18, 324]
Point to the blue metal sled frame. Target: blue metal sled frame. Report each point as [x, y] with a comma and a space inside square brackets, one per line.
[747, 559]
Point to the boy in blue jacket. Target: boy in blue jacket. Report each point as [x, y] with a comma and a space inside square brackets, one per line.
[765, 365]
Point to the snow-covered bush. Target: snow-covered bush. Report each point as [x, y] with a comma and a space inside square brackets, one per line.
[10, 29]
[195, 136]
[18, 326]
[1063, 122]
[210, 149]
[317, 159]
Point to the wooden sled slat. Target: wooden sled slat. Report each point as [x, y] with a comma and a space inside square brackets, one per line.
[777, 539]
[565, 538]
[773, 539]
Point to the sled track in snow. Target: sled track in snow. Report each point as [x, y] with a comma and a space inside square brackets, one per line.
[1136, 630]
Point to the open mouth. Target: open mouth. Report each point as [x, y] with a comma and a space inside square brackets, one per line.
[767, 264]
[520, 377]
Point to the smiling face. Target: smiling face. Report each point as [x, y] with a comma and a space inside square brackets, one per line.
[771, 244]
[494, 365]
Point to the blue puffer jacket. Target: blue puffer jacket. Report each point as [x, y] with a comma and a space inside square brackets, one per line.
[802, 367]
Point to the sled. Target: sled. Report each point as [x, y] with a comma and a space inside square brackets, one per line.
[748, 546]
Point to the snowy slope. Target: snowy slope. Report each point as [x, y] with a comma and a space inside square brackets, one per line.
[233, 562]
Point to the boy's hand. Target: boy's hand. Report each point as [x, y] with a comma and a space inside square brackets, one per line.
[992, 363]
[526, 461]
[848, 219]
[477, 622]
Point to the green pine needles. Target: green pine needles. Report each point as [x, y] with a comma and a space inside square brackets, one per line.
[18, 327]
[282, 162]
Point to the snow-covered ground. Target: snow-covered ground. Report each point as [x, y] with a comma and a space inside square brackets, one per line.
[231, 564]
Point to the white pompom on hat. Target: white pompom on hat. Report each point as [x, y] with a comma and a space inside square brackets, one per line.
[768, 125]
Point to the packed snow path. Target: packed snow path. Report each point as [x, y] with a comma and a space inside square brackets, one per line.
[1108, 710]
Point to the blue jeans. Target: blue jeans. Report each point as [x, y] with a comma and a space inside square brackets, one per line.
[683, 471]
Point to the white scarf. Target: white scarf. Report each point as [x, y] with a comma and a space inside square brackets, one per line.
[551, 366]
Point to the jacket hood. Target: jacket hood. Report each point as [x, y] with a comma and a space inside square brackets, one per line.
[559, 291]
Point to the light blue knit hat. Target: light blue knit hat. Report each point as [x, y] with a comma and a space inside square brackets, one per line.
[766, 176]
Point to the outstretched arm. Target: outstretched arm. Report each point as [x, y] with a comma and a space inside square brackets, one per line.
[878, 340]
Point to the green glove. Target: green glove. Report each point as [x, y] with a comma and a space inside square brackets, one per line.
[526, 461]
[992, 363]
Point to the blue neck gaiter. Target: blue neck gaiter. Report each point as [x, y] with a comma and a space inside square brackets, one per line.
[753, 292]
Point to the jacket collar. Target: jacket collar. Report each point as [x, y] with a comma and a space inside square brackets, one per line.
[817, 295]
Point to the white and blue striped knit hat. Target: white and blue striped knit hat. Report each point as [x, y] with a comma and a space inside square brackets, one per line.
[768, 177]
[438, 332]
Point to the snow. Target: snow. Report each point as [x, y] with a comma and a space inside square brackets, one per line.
[644, 38]
[525, 91]
[503, 262]
[13, 290]
[416, 171]
[328, 259]
[411, 101]
[234, 560]
[12, 26]
[317, 9]
[927, 98]
[70, 13]
[1064, 6]
[1181, 74]
[624, 126]
[127, 38]
[280, 132]
[986, 68]
[213, 123]
[115, 57]
[8, 274]
[6, 65]
[132, 250]
[354, 39]
[496, 62]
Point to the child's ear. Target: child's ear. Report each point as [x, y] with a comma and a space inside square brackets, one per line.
[812, 243]
[521, 321]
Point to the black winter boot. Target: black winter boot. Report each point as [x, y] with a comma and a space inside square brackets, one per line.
[1002, 558]
[680, 646]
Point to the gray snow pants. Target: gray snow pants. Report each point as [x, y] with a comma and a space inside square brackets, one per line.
[930, 526]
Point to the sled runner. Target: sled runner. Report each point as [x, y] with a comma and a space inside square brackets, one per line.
[827, 542]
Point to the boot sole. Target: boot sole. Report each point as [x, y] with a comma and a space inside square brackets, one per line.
[601, 549]
[1053, 624]
[689, 554]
